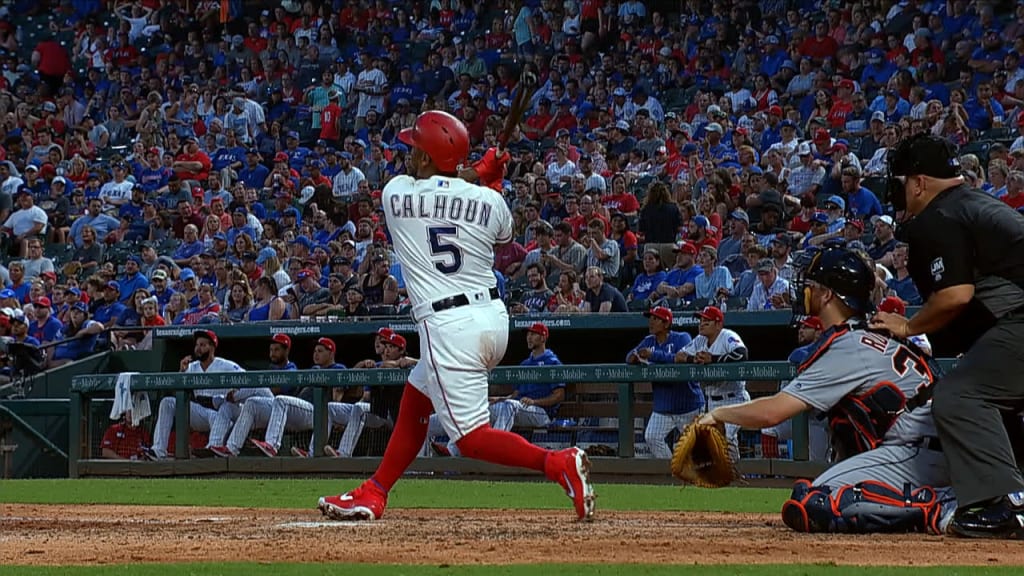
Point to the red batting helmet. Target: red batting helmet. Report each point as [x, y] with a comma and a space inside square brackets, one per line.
[441, 136]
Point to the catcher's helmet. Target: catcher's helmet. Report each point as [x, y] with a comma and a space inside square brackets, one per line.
[442, 137]
[842, 271]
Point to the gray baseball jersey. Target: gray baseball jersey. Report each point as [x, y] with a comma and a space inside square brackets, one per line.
[854, 362]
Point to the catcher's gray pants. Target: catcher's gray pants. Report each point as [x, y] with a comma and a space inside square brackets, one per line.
[972, 406]
[895, 465]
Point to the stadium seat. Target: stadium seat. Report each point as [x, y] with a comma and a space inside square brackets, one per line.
[979, 149]
[996, 135]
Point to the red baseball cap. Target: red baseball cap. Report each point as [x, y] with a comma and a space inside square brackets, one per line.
[711, 313]
[43, 301]
[49, 274]
[385, 332]
[539, 328]
[847, 83]
[893, 305]
[282, 339]
[327, 343]
[660, 312]
[396, 339]
[775, 110]
[197, 192]
[208, 334]
[812, 322]
[822, 134]
[280, 157]
[686, 248]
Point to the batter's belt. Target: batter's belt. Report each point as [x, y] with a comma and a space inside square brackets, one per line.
[421, 311]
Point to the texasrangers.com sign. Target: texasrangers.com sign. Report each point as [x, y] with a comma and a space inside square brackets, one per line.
[187, 331]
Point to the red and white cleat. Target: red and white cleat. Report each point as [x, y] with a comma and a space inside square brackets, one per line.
[571, 469]
[365, 503]
[222, 451]
[264, 447]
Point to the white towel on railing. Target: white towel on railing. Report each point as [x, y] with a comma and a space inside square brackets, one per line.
[124, 400]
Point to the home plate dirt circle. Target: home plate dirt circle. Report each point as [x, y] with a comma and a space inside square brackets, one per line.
[59, 535]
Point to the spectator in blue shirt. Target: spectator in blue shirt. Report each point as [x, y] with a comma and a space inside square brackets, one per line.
[253, 174]
[646, 283]
[984, 111]
[901, 283]
[133, 279]
[82, 334]
[100, 222]
[108, 309]
[862, 203]
[44, 326]
[675, 403]
[808, 331]
[20, 329]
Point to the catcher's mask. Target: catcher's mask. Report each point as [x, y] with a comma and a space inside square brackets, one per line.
[837, 268]
[923, 154]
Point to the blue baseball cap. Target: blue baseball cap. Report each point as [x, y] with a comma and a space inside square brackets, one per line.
[220, 236]
[293, 134]
[303, 241]
[755, 170]
[265, 254]
[293, 211]
[787, 124]
[81, 306]
[688, 149]
[186, 274]
[837, 200]
[820, 217]
[702, 221]
[346, 155]
[7, 293]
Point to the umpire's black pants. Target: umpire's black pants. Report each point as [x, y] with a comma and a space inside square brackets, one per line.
[969, 405]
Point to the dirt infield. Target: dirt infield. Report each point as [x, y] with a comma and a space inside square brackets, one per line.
[55, 535]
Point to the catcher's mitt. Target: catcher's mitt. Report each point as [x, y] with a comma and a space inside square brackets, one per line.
[702, 457]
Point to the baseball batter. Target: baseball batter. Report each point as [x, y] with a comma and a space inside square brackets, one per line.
[676, 404]
[203, 410]
[444, 231]
[714, 344]
[890, 474]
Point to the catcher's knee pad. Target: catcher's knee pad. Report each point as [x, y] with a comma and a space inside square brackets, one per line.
[867, 507]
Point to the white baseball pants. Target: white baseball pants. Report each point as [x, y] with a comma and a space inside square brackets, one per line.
[353, 418]
[255, 414]
[506, 414]
[200, 418]
[222, 421]
[728, 396]
[659, 425]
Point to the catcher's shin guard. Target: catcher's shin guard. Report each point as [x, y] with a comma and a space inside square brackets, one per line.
[867, 507]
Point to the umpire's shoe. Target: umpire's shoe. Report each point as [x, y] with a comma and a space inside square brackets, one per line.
[1003, 518]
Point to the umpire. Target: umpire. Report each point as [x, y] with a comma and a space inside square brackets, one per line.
[967, 260]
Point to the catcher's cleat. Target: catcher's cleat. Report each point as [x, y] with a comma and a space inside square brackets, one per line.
[571, 469]
[366, 503]
[1000, 519]
[264, 447]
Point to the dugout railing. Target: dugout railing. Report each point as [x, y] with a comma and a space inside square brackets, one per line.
[89, 388]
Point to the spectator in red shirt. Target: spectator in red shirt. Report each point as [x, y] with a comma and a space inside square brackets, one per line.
[842, 105]
[330, 119]
[821, 45]
[620, 200]
[122, 441]
[52, 62]
[1015, 189]
[192, 163]
[538, 125]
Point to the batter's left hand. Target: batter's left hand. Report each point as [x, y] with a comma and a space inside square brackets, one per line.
[895, 324]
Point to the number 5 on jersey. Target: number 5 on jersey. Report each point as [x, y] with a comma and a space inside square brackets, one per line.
[447, 256]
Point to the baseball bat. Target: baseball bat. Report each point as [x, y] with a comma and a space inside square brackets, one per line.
[524, 91]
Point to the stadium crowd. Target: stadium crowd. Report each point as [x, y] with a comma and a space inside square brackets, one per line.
[169, 163]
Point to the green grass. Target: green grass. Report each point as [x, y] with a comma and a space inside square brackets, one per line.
[411, 493]
[514, 570]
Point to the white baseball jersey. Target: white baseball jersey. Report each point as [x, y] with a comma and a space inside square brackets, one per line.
[217, 365]
[444, 232]
[727, 347]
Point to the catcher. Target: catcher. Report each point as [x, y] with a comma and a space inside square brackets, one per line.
[890, 474]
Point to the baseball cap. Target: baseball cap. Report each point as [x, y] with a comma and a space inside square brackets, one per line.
[812, 322]
[856, 224]
[197, 192]
[114, 285]
[713, 127]
[49, 274]
[837, 200]
[538, 328]
[340, 261]
[702, 221]
[159, 275]
[81, 307]
[711, 313]
[821, 135]
[886, 219]
[187, 274]
[249, 256]
[782, 238]
[282, 339]
[396, 339]
[775, 110]
[893, 305]
[686, 248]
[328, 344]
[385, 332]
[43, 301]
[281, 157]
[804, 149]
[7, 293]
[304, 273]
[820, 218]
[303, 241]
[764, 265]
[208, 334]
[659, 312]
[739, 214]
